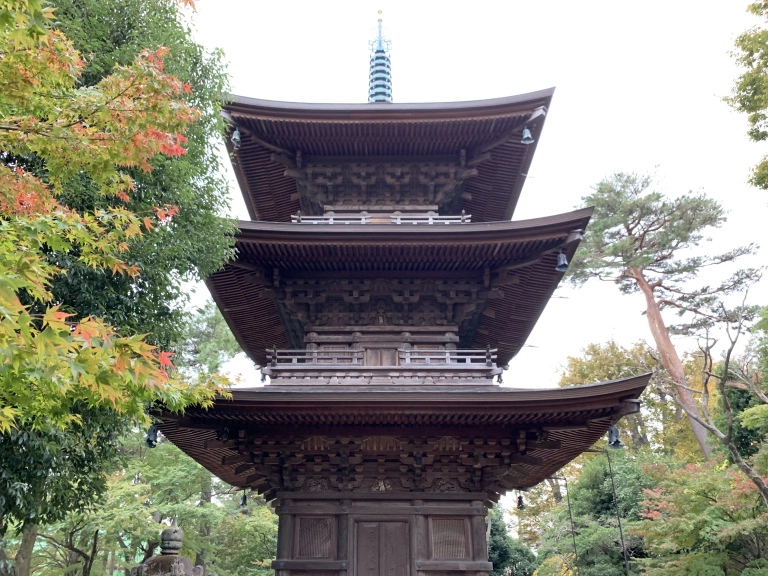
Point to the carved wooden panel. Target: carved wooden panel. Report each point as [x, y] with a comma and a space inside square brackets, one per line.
[449, 538]
[306, 459]
[382, 549]
[315, 537]
[379, 183]
[383, 302]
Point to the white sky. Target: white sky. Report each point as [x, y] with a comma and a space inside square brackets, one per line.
[639, 88]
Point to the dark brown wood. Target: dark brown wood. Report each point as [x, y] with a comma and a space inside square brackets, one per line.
[313, 565]
[383, 289]
[446, 566]
[320, 132]
[479, 535]
[338, 261]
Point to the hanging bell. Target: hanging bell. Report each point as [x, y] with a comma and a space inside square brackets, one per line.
[562, 262]
[235, 138]
[244, 500]
[527, 137]
[520, 503]
[151, 439]
[613, 438]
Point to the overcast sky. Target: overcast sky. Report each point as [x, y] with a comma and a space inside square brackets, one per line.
[639, 88]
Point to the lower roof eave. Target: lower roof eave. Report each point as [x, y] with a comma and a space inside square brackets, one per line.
[426, 398]
[255, 422]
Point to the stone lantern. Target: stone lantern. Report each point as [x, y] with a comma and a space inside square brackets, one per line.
[169, 563]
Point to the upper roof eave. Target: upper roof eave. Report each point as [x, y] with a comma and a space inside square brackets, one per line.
[390, 112]
[471, 231]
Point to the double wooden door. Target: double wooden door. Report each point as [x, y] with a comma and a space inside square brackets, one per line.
[382, 549]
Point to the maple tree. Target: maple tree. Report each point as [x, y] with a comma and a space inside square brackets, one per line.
[197, 240]
[53, 365]
[702, 519]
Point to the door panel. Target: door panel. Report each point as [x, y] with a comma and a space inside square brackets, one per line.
[367, 549]
[382, 549]
[393, 549]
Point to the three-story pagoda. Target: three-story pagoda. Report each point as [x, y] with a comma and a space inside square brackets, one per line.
[383, 288]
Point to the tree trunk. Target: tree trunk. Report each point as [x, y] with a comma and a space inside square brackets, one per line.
[555, 487]
[636, 426]
[91, 558]
[669, 358]
[750, 472]
[72, 558]
[24, 555]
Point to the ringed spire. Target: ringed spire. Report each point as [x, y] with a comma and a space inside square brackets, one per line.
[380, 76]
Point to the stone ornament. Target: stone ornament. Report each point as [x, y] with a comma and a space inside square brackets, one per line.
[169, 562]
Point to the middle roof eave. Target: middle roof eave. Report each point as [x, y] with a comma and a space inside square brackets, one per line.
[320, 250]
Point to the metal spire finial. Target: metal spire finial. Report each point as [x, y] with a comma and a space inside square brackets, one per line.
[380, 78]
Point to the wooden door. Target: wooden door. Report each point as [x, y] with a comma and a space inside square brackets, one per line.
[382, 549]
[381, 357]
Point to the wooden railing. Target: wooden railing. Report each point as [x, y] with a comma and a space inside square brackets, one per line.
[341, 356]
[408, 358]
[474, 358]
[331, 218]
[396, 218]
[429, 218]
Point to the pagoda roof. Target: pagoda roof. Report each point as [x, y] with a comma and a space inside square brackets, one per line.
[526, 249]
[488, 131]
[572, 418]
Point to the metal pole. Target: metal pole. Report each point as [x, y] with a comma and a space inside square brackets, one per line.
[573, 536]
[618, 516]
[570, 514]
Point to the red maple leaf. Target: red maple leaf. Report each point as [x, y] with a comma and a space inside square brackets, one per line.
[165, 359]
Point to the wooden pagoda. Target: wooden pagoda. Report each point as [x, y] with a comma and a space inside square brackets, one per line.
[383, 288]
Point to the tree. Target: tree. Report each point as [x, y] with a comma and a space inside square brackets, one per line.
[151, 487]
[641, 240]
[59, 371]
[734, 409]
[595, 525]
[508, 555]
[208, 341]
[197, 240]
[750, 95]
[703, 519]
[660, 425]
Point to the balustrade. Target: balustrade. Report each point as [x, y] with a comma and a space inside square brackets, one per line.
[395, 218]
[408, 357]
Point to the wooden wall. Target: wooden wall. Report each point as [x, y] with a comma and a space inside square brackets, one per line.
[381, 534]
